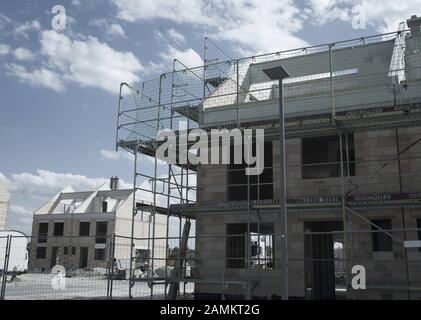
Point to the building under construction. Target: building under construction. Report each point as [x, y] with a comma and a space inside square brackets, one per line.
[352, 166]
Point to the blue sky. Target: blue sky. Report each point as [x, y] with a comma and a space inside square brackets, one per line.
[59, 88]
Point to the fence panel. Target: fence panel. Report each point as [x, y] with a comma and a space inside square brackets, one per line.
[45, 268]
[323, 264]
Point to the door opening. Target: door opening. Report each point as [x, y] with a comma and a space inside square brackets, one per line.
[325, 260]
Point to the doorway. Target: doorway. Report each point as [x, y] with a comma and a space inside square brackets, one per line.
[83, 257]
[54, 254]
[324, 260]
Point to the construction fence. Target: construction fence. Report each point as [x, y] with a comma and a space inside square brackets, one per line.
[370, 264]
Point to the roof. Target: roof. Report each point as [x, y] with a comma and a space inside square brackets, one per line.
[70, 202]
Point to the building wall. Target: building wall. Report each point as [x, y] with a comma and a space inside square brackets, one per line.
[4, 206]
[118, 224]
[372, 150]
[70, 239]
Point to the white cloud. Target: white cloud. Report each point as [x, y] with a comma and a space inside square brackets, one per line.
[46, 183]
[23, 54]
[4, 49]
[385, 17]
[90, 62]
[23, 29]
[4, 21]
[116, 30]
[115, 155]
[21, 211]
[85, 61]
[259, 26]
[37, 77]
[189, 56]
[112, 30]
[176, 36]
[184, 10]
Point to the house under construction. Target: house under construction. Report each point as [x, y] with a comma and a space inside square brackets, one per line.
[352, 160]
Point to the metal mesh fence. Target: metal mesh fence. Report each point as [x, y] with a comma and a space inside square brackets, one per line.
[358, 264]
[328, 79]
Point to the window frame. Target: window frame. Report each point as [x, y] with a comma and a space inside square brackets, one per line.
[80, 228]
[37, 253]
[100, 258]
[257, 188]
[101, 237]
[380, 241]
[55, 233]
[333, 166]
[43, 236]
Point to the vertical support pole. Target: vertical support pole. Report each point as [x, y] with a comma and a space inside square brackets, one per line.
[167, 248]
[5, 267]
[283, 196]
[403, 220]
[343, 200]
[112, 265]
[118, 116]
[349, 218]
[279, 73]
[131, 283]
[248, 252]
[238, 94]
[332, 88]
[154, 188]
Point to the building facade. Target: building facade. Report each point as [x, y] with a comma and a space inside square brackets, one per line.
[352, 122]
[4, 206]
[84, 230]
[353, 187]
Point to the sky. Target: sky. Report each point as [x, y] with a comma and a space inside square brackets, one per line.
[59, 87]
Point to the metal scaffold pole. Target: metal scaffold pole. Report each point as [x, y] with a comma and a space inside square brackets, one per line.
[279, 73]
[131, 283]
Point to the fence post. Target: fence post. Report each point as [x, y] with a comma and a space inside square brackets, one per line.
[5, 267]
[111, 268]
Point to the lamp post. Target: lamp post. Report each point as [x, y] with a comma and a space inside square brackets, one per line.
[279, 73]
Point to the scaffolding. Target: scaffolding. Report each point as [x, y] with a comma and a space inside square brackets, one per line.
[350, 76]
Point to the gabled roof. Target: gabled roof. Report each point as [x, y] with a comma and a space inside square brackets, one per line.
[68, 201]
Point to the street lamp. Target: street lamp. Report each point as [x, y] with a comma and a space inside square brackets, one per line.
[279, 73]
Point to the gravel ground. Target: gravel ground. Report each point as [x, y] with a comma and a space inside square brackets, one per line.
[39, 287]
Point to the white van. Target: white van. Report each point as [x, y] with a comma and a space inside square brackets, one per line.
[18, 258]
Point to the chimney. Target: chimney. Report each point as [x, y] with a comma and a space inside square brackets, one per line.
[114, 183]
[414, 24]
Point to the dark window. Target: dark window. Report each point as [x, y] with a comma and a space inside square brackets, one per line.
[321, 157]
[104, 206]
[42, 232]
[65, 251]
[101, 232]
[99, 254]
[58, 229]
[73, 251]
[261, 186]
[84, 229]
[380, 240]
[41, 253]
[261, 245]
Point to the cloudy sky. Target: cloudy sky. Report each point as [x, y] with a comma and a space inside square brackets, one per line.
[58, 89]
